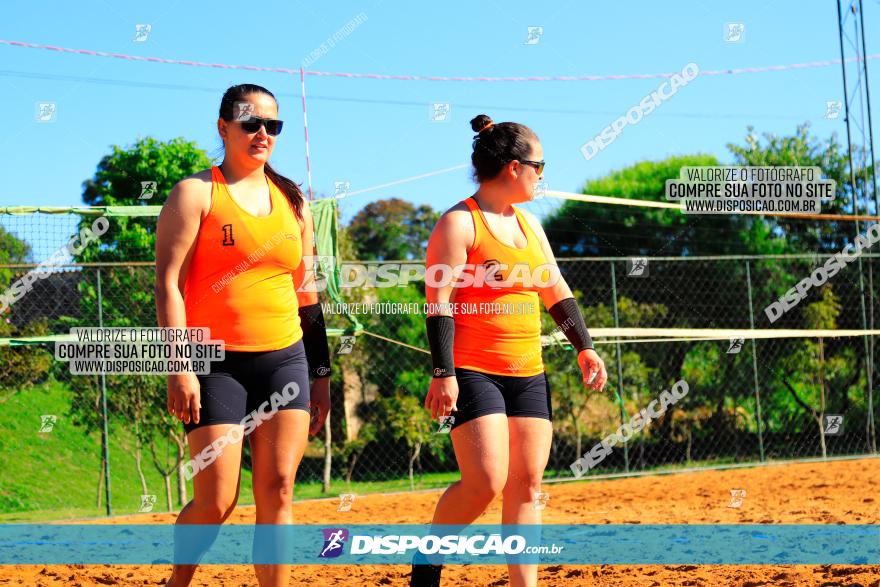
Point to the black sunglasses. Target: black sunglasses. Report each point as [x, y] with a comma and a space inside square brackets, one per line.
[253, 124]
[538, 165]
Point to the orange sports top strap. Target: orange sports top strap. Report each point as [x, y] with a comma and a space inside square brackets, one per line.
[481, 231]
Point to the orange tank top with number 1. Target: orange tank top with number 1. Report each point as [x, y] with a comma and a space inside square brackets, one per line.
[497, 319]
[240, 278]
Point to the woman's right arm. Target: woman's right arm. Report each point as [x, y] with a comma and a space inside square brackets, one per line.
[447, 247]
[176, 233]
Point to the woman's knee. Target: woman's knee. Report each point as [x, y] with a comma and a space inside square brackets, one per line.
[277, 490]
[216, 508]
[484, 487]
[522, 488]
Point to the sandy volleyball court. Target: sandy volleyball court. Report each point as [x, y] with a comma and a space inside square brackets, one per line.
[841, 492]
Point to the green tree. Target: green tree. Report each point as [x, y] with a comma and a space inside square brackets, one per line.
[587, 229]
[392, 229]
[817, 370]
[585, 411]
[408, 421]
[582, 229]
[805, 150]
[13, 251]
[127, 297]
[22, 366]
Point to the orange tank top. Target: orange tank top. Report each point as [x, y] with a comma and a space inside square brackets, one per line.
[240, 278]
[497, 317]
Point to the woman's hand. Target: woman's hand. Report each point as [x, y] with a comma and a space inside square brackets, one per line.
[442, 397]
[592, 366]
[319, 402]
[184, 397]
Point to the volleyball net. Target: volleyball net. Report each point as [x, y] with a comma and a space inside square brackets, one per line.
[800, 387]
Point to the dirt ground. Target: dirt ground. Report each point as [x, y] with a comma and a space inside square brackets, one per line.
[841, 492]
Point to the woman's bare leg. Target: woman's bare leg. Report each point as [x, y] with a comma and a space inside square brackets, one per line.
[215, 488]
[277, 447]
[529, 450]
[481, 449]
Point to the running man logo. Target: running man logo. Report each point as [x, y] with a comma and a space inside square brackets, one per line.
[242, 111]
[736, 498]
[446, 423]
[493, 270]
[539, 500]
[736, 345]
[46, 111]
[334, 539]
[47, 422]
[734, 32]
[141, 32]
[637, 267]
[346, 345]
[318, 269]
[341, 188]
[540, 190]
[148, 188]
[346, 500]
[147, 503]
[833, 424]
[832, 109]
[441, 112]
[534, 35]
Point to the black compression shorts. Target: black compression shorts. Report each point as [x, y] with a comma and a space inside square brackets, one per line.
[480, 394]
[244, 380]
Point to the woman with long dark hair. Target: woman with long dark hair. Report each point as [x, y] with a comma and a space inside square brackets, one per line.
[485, 338]
[234, 246]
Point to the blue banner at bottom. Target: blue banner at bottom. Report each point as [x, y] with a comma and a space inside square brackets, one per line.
[730, 544]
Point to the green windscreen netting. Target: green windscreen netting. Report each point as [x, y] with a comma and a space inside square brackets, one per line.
[36, 224]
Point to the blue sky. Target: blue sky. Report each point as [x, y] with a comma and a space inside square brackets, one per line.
[371, 132]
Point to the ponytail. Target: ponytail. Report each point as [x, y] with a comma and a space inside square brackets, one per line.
[290, 189]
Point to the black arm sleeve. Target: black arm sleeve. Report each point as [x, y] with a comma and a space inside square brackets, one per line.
[567, 315]
[311, 320]
[441, 332]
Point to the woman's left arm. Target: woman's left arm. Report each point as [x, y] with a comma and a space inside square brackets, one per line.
[311, 318]
[560, 302]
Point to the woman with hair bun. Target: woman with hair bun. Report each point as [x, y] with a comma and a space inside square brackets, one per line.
[488, 373]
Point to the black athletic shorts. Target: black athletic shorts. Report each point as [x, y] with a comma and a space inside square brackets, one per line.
[243, 380]
[481, 393]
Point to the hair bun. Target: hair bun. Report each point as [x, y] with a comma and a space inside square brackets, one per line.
[480, 123]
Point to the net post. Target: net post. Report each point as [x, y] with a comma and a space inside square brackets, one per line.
[105, 433]
[755, 363]
[619, 364]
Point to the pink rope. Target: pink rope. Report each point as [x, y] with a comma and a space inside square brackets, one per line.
[561, 78]
[302, 80]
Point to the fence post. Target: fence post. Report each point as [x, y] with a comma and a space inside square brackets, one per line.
[755, 364]
[870, 432]
[105, 434]
[619, 364]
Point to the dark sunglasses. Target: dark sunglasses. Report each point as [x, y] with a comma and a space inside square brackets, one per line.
[538, 165]
[253, 124]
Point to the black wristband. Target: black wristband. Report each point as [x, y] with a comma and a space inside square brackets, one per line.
[568, 317]
[311, 319]
[441, 333]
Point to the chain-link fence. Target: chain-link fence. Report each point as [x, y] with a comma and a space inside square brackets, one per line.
[751, 400]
